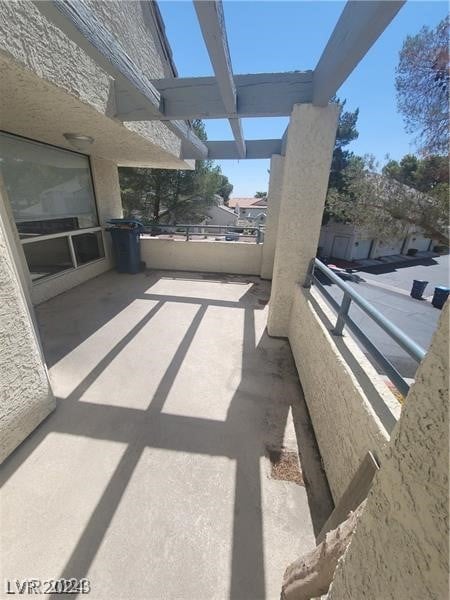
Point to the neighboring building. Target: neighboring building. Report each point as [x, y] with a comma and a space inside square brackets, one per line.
[347, 242]
[249, 210]
[219, 214]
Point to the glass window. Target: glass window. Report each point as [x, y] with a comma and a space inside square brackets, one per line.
[88, 246]
[50, 190]
[47, 257]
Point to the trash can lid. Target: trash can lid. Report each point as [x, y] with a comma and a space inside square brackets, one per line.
[132, 223]
[442, 288]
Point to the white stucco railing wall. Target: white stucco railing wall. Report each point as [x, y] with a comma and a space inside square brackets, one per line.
[352, 411]
[205, 256]
[400, 546]
[25, 393]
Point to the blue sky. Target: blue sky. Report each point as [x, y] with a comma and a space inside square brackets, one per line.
[267, 36]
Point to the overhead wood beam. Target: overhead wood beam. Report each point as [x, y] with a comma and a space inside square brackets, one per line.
[359, 26]
[212, 23]
[256, 149]
[259, 95]
[82, 26]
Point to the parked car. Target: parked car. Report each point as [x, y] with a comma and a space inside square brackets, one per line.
[231, 236]
[345, 274]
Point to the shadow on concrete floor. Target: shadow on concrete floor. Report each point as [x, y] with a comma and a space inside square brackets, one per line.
[255, 418]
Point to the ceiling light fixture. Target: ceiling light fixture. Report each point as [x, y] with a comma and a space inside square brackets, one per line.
[79, 141]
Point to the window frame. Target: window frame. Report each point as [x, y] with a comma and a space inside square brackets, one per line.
[67, 234]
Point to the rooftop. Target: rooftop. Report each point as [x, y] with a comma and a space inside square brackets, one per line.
[247, 202]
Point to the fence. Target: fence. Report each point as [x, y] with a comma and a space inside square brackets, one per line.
[343, 319]
[220, 232]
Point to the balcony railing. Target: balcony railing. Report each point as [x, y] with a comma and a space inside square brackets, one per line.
[343, 319]
[195, 231]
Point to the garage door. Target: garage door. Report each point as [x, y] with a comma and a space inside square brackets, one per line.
[389, 248]
[340, 246]
[421, 243]
[361, 249]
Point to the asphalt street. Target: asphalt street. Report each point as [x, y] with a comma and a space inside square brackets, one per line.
[387, 288]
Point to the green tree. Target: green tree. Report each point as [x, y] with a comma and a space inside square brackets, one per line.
[260, 194]
[385, 207]
[225, 188]
[422, 84]
[346, 133]
[404, 171]
[427, 175]
[169, 195]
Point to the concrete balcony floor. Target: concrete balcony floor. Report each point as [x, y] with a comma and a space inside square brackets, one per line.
[152, 477]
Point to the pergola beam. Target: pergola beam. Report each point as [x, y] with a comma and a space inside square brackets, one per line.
[82, 26]
[259, 95]
[358, 28]
[255, 149]
[224, 96]
[212, 24]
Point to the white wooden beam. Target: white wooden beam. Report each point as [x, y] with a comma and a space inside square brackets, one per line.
[255, 149]
[259, 95]
[359, 26]
[82, 26]
[212, 23]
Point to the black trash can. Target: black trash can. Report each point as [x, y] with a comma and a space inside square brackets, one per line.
[126, 244]
[440, 295]
[418, 288]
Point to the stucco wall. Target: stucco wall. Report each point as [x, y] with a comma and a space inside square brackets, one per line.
[25, 394]
[135, 30]
[208, 256]
[52, 286]
[400, 548]
[49, 80]
[105, 176]
[306, 170]
[351, 409]
[107, 189]
[273, 212]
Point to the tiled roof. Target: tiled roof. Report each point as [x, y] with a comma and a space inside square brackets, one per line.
[247, 202]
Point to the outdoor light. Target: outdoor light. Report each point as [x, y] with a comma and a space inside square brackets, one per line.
[79, 141]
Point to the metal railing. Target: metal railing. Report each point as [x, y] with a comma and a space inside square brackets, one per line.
[190, 231]
[343, 319]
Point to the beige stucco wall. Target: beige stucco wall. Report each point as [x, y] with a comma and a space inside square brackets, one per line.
[52, 286]
[107, 189]
[131, 22]
[208, 256]
[351, 409]
[50, 86]
[25, 394]
[273, 211]
[306, 170]
[400, 548]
